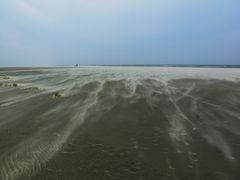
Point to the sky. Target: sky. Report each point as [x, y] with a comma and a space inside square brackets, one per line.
[67, 32]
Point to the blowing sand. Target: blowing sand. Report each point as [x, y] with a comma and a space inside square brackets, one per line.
[120, 123]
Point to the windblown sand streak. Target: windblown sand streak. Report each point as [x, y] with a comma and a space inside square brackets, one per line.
[65, 121]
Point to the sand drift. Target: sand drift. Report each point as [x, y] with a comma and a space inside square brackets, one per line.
[120, 123]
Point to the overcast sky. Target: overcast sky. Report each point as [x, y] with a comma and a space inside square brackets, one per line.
[65, 32]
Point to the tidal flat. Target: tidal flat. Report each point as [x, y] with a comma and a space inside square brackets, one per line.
[119, 123]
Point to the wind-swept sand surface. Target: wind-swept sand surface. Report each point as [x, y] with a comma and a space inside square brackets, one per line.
[118, 123]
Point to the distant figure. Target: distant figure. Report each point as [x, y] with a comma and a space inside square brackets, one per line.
[76, 65]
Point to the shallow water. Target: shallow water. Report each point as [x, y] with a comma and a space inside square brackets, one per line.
[120, 123]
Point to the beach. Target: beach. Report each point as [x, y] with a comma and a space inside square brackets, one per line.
[117, 123]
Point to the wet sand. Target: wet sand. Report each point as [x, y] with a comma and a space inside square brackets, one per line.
[120, 123]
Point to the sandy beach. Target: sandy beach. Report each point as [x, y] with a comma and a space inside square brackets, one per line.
[117, 123]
